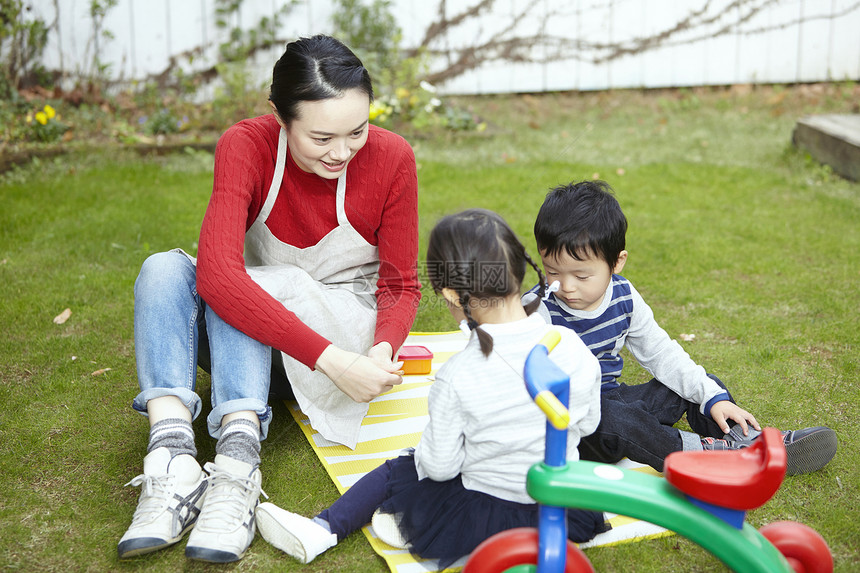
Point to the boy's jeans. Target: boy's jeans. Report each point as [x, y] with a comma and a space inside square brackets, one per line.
[171, 324]
[637, 422]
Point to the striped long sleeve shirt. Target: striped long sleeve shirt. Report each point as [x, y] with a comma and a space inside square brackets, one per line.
[624, 319]
[483, 424]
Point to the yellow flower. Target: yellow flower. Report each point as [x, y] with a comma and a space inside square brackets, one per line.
[29, 118]
[376, 110]
[41, 117]
[50, 112]
[401, 93]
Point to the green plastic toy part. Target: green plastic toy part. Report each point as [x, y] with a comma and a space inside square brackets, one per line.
[601, 487]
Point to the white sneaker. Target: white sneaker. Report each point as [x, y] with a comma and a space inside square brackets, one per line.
[387, 528]
[293, 534]
[225, 528]
[172, 492]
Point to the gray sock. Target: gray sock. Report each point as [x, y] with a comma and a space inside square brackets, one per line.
[240, 440]
[691, 442]
[175, 434]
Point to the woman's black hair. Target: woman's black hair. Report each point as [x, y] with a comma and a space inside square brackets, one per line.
[477, 255]
[313, 69]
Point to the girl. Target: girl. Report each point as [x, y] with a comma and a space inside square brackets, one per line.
[308, 248]
[466, 479]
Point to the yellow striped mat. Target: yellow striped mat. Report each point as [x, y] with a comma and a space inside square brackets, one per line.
[394, 422]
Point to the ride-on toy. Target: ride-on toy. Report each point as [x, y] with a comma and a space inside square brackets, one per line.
[704, 497]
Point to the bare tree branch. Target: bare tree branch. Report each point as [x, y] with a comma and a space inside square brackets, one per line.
[708, 21]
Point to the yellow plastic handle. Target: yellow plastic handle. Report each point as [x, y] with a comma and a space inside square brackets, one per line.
[550, 339]
[554, 410]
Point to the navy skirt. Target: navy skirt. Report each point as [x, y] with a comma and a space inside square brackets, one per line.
[445, 521]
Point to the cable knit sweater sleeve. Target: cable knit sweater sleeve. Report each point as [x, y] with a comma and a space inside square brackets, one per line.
[240, 186]
[398, 289]
[381, 205]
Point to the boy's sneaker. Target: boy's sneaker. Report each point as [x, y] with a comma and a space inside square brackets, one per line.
[172, 492]
[736, 434]
[293, 534]
[807, 450]
[719, 445]
[225, 528]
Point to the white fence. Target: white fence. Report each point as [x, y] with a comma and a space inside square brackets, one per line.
[556, 44]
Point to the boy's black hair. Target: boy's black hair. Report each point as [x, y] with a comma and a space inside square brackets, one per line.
[582, 219]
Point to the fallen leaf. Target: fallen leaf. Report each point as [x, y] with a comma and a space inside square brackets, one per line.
[687, 337]
[776, 98]
[99, 372]
[63, 316]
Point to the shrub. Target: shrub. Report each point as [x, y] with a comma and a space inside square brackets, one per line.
[404, 99]
[46, 125]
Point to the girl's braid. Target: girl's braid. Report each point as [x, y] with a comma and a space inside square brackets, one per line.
[533, 304]
[484, 338]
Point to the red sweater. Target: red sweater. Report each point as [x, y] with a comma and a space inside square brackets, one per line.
[381, 204]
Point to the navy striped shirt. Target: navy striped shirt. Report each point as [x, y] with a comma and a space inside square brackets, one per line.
[604, 335]
[624, 319]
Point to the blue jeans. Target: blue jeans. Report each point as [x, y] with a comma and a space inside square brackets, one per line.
[637, 422]
[174, 327]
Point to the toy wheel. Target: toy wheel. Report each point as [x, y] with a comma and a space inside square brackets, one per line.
[516, 549]
[803, 547]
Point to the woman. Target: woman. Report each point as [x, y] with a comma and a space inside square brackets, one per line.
[324, 206]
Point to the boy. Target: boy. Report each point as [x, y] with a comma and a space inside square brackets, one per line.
[580, 232]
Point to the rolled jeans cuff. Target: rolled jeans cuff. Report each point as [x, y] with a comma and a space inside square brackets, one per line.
[188, 398]
[262, 409]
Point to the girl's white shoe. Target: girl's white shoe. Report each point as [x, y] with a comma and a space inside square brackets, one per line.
[387, 529]
[293, 534]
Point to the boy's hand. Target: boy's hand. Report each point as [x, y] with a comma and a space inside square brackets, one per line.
[723, 411]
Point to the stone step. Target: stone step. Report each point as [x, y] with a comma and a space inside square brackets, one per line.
[832, 139]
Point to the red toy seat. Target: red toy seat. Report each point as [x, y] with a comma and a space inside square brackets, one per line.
[735, 479]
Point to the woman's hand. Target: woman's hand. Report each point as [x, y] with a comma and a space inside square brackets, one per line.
[382, 354]
[362, 378]
[725, 410]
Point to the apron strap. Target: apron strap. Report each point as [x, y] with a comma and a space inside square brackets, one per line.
[275, 187]
[341, 200]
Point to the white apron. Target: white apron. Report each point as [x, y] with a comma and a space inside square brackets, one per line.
[331, 287]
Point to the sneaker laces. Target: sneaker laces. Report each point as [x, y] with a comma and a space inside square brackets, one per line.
[156, 493]
[227, 494]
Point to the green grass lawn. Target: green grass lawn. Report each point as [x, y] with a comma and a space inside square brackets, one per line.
[734, 237]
